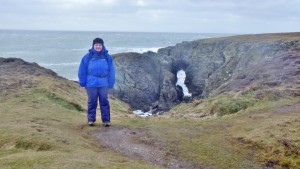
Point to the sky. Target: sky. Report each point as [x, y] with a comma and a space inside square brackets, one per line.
[191, 16]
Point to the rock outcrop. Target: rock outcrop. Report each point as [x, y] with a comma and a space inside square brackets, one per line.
[279, 75]
[137, 79]
[149, 79]
[17, 74]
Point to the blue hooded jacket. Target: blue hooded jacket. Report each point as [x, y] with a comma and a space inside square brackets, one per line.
[95, 70]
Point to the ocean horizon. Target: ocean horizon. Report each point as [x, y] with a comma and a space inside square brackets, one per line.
[61, 51]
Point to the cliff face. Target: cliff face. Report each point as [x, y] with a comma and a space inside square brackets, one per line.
[279, 75]
[137, 79]
[149, 79]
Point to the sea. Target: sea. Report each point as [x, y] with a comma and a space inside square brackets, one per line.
[62, 51]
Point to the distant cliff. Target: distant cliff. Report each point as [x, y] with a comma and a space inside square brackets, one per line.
[212, 66]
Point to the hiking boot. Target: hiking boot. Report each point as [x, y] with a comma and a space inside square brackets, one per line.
[91, 123]
[106, 124]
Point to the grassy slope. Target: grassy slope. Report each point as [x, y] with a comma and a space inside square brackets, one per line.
[45, 132]
[266, 132]
[45, 127]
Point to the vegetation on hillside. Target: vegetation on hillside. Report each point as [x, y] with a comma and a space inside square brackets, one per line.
[43, 124]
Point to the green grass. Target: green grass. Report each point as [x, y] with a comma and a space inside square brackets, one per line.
[64, 103]
[46, 128]
[227, 104]
[38, 131]
[253, 137]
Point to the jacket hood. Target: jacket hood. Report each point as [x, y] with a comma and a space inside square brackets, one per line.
[93, 51]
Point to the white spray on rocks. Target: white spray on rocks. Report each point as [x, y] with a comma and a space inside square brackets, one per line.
[180, 82]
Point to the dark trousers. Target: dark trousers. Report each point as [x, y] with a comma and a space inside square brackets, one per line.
[93, 94]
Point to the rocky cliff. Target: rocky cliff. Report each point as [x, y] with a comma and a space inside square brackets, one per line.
[148, 79]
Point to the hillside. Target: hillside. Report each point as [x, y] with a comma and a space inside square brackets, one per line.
[251, 121]
[149, 79]
[43, 121]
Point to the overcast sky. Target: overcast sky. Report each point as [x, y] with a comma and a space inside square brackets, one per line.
[199, 16]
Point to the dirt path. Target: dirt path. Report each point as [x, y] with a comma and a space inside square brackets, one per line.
[135, 144]
[138, 144]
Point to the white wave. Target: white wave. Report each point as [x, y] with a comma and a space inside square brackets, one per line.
[86, 49]
[60, 64]
[142, 114]
[138, 50]
[142, 50]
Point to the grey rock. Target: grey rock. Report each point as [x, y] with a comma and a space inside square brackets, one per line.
[150, 78]
[137, 79]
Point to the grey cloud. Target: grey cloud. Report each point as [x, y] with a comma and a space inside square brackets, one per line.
[233, 16]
